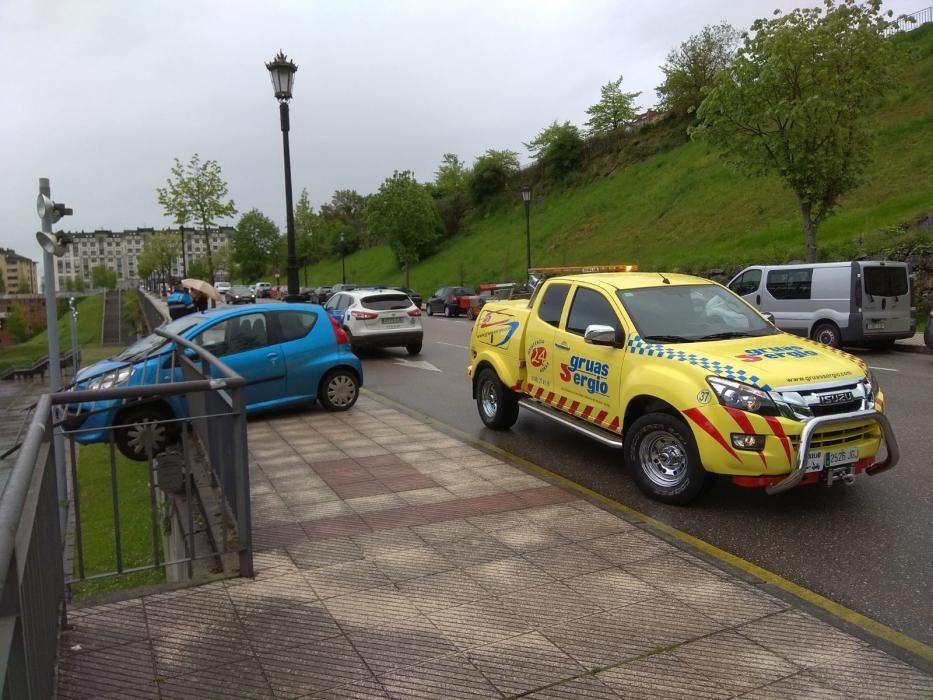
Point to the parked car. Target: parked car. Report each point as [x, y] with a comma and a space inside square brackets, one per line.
[222, 287]
[412, 294]
[502, 291]
[306, 293]
[833, 303]
[263, 289]
[319, 295]
[378, 318]
[450, 301]
[288, 355]
[928, 332]
[239, 294]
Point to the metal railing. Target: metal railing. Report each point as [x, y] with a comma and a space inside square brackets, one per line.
[904, 23]
[197, 511]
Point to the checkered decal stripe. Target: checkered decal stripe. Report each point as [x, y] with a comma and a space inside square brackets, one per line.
[638, 346]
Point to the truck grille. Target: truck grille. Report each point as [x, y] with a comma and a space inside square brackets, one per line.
[840, 436]
[833, 409]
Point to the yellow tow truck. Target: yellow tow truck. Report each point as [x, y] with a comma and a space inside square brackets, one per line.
[682, 375]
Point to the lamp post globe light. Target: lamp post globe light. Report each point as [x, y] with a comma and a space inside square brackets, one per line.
[282, 71]
[526, 198]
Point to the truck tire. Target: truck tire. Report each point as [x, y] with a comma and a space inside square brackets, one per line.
[662, 456]
[828, 334]
[497, 405]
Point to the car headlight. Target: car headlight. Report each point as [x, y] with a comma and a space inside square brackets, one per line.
[742, 396]
[873, 386]
[108, 380]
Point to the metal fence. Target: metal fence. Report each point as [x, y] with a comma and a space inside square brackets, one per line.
[206, 460]
[904, 23]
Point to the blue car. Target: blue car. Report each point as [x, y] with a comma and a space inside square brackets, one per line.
[288, 354]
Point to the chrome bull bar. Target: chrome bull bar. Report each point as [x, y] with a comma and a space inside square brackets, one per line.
[812, 425]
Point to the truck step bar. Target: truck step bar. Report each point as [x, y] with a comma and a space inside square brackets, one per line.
[603, 436]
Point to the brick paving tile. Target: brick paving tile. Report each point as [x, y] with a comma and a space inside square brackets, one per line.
[270, 559]
[319, 511]
[567, 561]
[448, 510]
[496, 503]
[448, 531]
[661, 677]
[349, 475]
[474, 549]
[870, 673]
[361, 690]
[507, 575]
[122, 669]
[482, 622]
[278, 536]
[474, 489]
[500, 521]
[313, 667]
[545, 495]
[548, 604]
[426, 496]
[312, 555]
[523, 663]
[333, 466]
[379, 460]
[394, 471]
[309, 495]
[259, 596]
[784, 632]
[340, 526]
[440, 591]
[356, 489]
[408, 483]
[383, 542]
[395, 517]
[93, 632]
[400, 643]
[372, 608]
[627, 547]
[585, 688]
[801, 685]
[452, 677]
[189, 649]
[341, 579]
[380, 503]
[588, 526]
[529, 538]
[282, 628]
[734, 664]
[240, 680]
[551, 513]
[610, 588]
[412, 563]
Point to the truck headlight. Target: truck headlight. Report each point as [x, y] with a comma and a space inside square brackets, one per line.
[108, 380]
[742, 396]
[873, 386]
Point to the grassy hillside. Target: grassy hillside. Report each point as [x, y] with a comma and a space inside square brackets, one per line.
[685, 209]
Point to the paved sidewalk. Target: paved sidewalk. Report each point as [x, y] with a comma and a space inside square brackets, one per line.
[397, 562]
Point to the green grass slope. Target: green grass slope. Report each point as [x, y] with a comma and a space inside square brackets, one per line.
[684, 209]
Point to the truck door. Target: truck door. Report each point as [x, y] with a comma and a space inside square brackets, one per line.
[590, 376]
[885, 298]
[787, 295]
[540, 348]
[748, 285]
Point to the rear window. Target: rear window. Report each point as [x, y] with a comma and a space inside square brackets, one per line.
[885, 281]
[464, 292]
[385, 302]
[294, 325]
[552, 303]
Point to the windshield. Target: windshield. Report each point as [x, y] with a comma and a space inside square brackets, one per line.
[688, 313]
[150, 343]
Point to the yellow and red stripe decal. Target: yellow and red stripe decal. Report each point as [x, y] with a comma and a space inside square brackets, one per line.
[696, 415]
[778, 431]
[574, 407]
[745, 425]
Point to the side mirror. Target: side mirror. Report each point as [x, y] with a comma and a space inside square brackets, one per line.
[769, 317]
[604, 335]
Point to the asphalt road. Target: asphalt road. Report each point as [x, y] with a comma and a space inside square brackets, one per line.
[867, 546]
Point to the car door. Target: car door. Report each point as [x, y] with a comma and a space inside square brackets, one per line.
[748, 286]
[245, 344]
[307, 346]
[885, 298]
[541, 351]
[591, 375]
[337, 306]
[787, 294]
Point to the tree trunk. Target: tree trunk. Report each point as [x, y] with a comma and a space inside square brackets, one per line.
[210, 258]
[809, 231]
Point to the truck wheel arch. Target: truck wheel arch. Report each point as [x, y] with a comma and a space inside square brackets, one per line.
[642, 405]
[496, 367]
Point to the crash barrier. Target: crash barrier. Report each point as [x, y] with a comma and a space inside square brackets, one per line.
[40, 367]
[152, 314]
[198, 511]
[905, 23]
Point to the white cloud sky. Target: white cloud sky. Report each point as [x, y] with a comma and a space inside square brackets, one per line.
[101, 95]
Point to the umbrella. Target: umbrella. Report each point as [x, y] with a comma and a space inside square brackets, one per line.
[206, 288]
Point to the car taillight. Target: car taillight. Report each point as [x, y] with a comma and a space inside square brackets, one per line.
[363, 315]
[414, 312]
[339, 333]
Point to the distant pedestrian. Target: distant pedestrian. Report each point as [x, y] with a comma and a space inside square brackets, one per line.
[200, 300]
[180, 302]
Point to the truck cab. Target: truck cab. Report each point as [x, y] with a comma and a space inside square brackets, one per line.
[685, 377]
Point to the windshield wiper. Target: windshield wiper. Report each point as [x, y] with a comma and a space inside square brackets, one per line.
[668, 338]
[728, 334]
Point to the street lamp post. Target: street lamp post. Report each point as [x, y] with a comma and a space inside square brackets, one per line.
[184, 260]
[526, 198]
[343, 257]
[282, 71]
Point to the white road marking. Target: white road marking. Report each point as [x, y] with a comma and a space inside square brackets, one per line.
[416, 364]
[453, 345]
[883, 369]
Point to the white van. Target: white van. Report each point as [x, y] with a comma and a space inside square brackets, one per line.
[834, 303]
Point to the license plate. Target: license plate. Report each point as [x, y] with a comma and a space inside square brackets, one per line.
[818, 459]
[874, 325]
[391, 320]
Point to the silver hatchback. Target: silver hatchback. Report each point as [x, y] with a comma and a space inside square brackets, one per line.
[378, 318]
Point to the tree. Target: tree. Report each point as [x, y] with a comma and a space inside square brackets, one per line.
[691, 68]
[102, 277]
[16, 324]
[346, 211]
[255, 244]
[451, 175]
[199, 269]
[196, 193]
[402, 214]
[223, 260]
[491, 173]
[559, 148]
[614, 109]
[307, 245]
[2, 284]
[797, 102]
[160, 251]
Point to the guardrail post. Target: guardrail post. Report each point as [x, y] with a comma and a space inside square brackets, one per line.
[241, 472]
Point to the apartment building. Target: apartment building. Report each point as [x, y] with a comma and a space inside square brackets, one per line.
[120, 251]
[18, 273]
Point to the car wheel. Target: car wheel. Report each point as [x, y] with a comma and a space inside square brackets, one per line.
[339, 390]
[497, 405]
[448, 312]
[471, 314]
[353, 348]
[430, 310]
[414, 348]
[662, 456]
[144, 432]
[828, 334]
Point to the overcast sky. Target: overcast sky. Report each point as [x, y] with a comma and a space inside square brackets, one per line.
[101, 95]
